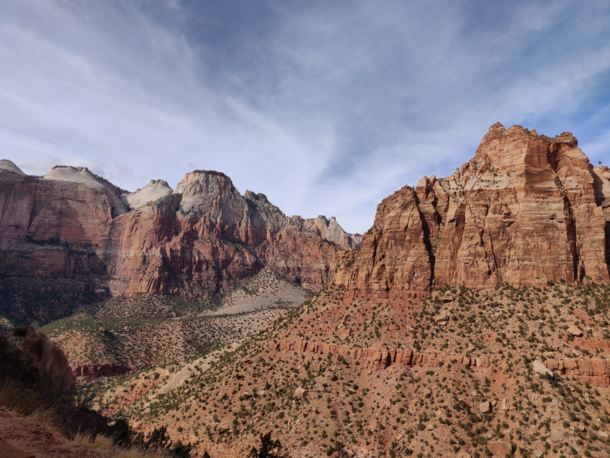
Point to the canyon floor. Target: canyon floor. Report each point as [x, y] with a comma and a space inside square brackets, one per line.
[143, 330]
[457, 373]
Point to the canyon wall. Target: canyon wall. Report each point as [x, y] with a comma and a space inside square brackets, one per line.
[72, 231]
[526, 210]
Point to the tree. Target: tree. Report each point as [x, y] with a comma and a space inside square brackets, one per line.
[269, 448]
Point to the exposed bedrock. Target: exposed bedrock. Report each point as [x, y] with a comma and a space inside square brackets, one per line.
[526, 210]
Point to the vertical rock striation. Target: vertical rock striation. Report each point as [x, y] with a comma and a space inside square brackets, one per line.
[72, 231]
[526, 210]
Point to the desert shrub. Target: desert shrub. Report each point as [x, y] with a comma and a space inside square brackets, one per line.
[123, 436]
[269, 448]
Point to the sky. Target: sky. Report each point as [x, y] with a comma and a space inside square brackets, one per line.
[326, 107]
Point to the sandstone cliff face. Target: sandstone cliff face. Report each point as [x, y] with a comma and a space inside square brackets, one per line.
[74, 231]
[527, 209]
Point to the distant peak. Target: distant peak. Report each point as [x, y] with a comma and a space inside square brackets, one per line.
[497, 126]
[10, 166]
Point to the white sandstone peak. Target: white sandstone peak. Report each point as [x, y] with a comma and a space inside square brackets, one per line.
[10, 166]
[153, 191]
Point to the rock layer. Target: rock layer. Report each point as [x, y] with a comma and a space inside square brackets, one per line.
[526, 210]
[382, 358]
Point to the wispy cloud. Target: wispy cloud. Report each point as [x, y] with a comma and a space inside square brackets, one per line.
[325, 107]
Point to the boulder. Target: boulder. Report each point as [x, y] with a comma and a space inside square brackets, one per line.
[485, 407]
[300, 393]
[575, 331]
[540, 368]
[504, 405]
[556, 435]
[501, 448]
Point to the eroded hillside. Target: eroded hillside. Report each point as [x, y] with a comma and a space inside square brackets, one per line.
[461, 371]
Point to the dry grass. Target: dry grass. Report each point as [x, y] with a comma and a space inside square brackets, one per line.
[103, 447]
[19, 400]
[25, 409]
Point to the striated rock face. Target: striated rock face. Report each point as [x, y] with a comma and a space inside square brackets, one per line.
[379, 359]
[596, 372]
[526, 210]
[73, 231]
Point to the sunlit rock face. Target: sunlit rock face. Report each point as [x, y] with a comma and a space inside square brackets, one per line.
[73, 231]
[526, 210]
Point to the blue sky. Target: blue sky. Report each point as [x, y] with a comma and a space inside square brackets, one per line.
[326, 107]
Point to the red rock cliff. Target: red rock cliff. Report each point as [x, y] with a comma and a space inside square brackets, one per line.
[73, 231]
[527, 209]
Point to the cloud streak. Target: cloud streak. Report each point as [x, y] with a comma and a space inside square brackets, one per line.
[325, 107]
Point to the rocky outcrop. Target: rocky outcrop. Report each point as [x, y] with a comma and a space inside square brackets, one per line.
[596, 372]
[31, 360]
[73, 231]
[381, 358]
[526, 210]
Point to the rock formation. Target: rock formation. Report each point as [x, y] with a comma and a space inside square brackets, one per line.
[526, 210]
[75, 232]
[331, 230]
[31, 360]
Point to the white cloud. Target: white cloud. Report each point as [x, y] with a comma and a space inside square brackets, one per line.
[326, 108]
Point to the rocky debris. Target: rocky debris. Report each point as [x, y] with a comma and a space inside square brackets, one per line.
[540, 368]
[428, 383]
[575, 331]
[556, 435]
[487, 223]
[442, 318]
